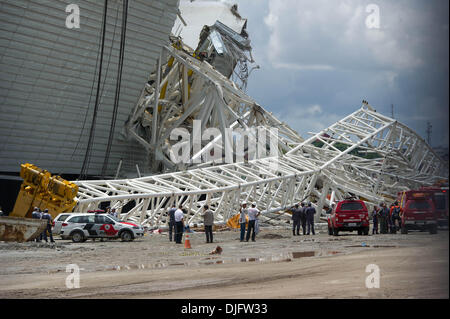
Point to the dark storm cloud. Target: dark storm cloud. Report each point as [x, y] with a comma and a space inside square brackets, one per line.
[319, 60]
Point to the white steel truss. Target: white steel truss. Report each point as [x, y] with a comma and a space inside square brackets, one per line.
[183, 90]
[366, 154]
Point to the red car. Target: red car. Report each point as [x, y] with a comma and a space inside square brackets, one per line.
[418, 211]
[349, 215]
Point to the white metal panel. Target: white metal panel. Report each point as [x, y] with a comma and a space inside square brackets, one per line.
[47, 72]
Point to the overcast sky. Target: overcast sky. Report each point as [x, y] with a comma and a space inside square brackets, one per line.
[319, 60]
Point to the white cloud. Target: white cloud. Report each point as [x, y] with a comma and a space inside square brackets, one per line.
[296, 66]
[307, 119]
[323, 34]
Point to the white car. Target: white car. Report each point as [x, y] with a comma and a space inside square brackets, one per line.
[80, 227]
[57, 222]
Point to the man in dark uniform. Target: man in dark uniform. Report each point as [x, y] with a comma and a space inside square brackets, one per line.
[171, 214]
[296, 211]
[303, 217]
[310, 212]
[46, 215]
[384, 216]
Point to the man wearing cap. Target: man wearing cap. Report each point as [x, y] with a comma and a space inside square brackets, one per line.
[310, 212]
[243, 219]
[303, 217]
[46, 215]
[179, 218]
[296, 211]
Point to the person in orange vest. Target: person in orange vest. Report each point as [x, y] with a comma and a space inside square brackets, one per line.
[395, 215]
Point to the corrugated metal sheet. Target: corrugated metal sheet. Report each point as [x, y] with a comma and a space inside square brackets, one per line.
[48, 80]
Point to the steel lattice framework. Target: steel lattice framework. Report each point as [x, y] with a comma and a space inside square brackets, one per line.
[366, 154]
[184, 90]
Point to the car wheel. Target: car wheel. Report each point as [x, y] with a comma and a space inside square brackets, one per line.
[366, 231]
[404, 230]
[126, 235]
[77, 236]
[335, 232]
[360, 232]
[433, 229]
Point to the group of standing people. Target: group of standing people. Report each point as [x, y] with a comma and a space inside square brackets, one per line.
[253, 227]
[38, 214]
[303, 215]
[111, 212]
[389, 219]
[176, 223]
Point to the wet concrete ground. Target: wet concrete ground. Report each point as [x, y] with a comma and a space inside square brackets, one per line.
[155, 251]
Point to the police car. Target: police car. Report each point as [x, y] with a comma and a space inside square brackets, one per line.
[80, 227]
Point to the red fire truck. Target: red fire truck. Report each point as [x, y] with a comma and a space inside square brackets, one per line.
[418, 211]
[440, 199]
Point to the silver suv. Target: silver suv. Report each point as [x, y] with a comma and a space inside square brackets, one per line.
[80, 227]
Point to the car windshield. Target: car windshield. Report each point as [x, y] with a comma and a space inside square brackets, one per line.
[419, 205]
[351, 206]
[63, 218]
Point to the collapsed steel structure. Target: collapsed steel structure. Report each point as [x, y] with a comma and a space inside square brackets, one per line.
[186, 90]
[366, 154]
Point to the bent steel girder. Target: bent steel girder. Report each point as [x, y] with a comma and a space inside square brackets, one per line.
[329, 166]
[185, 90]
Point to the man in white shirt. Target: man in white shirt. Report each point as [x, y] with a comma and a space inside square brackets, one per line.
[253, 214]
[179, 219]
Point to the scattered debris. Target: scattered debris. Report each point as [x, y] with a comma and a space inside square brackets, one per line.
[217, 251]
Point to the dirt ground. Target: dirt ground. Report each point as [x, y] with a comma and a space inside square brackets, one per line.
[277, 265]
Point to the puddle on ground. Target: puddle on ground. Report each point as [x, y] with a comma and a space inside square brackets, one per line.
[213, 262]
[314, 253]
[371, 246]
[283, 257]
[301, 254]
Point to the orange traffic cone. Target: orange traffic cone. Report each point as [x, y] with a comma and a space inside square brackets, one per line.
[187, 242]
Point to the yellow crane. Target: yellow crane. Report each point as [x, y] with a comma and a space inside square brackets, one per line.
[39, 189]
